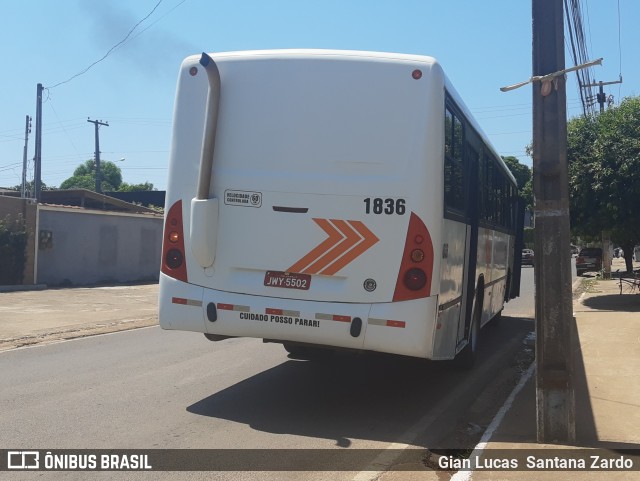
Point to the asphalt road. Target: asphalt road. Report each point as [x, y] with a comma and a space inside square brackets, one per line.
[149, 388]
[524, 306]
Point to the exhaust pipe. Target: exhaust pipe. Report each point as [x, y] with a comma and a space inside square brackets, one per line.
[203, 227]
[210, 126]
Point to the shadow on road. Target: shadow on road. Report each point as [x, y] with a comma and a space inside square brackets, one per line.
[358, 396]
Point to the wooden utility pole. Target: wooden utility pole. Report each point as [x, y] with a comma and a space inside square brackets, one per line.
[97, 124]
[555, 398]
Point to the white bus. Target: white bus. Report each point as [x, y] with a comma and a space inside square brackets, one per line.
[334, 199]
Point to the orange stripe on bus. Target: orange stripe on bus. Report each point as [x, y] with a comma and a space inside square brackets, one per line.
[396, 324]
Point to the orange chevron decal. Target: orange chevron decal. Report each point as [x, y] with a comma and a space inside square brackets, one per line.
[367, 240]
[334, 238]
[346, 241]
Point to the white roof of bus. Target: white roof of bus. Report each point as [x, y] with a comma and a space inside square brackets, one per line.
[306, 53]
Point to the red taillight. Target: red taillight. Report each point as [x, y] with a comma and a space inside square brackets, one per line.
[416, 268]
[415, 279]
[173, 259]
[417, 255]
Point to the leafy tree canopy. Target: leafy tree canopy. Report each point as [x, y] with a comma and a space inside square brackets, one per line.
[522, 173]
[84, 177]
[31, 186]
[604, 174]
[124, 187]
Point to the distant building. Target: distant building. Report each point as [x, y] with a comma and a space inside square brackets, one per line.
[146, 198]
[92, 200]
[80, 237]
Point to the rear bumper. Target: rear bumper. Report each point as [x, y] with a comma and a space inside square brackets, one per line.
[404, 328]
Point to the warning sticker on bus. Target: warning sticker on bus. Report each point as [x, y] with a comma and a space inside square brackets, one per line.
[288, 280]
[243, 198]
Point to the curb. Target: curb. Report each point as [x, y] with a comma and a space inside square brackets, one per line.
[442, 415]
[77, 332]
[576, 284]
[467, 474]
[20, 287]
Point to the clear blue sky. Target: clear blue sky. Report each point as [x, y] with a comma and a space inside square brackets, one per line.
[482, 45]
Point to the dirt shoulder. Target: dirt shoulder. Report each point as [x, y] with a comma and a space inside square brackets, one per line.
[54, 315]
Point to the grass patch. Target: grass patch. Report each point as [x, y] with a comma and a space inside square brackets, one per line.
[587, 285]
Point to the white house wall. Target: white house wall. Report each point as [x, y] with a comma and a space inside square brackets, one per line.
[83, 247]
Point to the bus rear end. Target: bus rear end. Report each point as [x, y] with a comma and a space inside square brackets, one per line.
[316, 226]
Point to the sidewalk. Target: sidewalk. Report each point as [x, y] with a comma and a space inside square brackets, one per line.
[52, 315]
[607, 391]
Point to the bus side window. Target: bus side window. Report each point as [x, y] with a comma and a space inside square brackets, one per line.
[481, 190]
[453, 167]
[497, 185]
[489, 189]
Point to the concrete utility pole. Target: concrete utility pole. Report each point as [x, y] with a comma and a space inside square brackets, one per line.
[601, 97]
[555, 397]
[27, 131]
[97, 124]
[37, 168]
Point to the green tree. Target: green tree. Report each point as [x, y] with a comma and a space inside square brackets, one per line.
[522, 173]
[124, 187]
[31, 187]
[13, 241]
[84, 177]
[604, 174]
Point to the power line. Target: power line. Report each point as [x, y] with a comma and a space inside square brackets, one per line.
[589, 25]
[9, 166]
[153, 23]
[49, 101]
[578, 50]
[126, 37]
